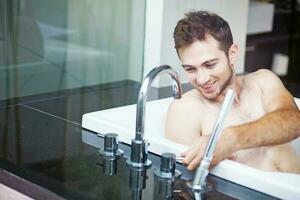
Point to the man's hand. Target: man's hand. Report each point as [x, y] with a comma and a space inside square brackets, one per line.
[194, 155]
[226, 145]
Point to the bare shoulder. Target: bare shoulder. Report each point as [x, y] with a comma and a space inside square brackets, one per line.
[263, 75]
[190, 101]
[274, 93]
[267, 76]
[183, 122]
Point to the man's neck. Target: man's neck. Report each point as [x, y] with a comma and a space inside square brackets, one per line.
[236, 84]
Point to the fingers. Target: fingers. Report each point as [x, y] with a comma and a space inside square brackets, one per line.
[232, 157]
[211, 166]
[194, 154]
[194, 163]
[191, 159]
[189, 156]
[215, 161]
[183, 154]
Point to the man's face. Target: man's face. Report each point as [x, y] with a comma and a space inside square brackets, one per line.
[206, 67]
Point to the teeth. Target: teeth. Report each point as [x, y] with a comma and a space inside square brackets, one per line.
[208, 85]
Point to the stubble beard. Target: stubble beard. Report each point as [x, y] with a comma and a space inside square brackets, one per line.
[223, 86]
[227, 82]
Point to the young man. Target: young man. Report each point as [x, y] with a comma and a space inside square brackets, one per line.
[263, 115]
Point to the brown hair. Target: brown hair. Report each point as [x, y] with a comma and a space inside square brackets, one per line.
[197, 24]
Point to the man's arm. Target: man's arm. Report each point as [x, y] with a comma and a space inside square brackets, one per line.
[183, 125]
[183, 121]
[281, 123]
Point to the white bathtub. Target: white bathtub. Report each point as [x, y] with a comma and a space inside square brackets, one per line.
[122, 121]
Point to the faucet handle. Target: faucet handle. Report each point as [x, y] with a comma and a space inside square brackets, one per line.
[111, 143]
[167, 164]
[164, 179]
[167, 167]
[110, 153]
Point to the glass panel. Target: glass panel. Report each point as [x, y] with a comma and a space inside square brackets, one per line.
[53, 45]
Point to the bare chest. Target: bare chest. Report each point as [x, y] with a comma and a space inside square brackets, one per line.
[249, 109]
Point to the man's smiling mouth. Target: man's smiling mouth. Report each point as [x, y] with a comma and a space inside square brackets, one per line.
[208, 85]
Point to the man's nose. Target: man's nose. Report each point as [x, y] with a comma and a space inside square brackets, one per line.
[202, 77]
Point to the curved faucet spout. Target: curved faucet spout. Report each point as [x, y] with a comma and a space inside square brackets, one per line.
[143, 95]
[139, 147]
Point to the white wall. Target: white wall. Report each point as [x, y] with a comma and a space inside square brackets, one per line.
[153, 34]
[161, 19]
[136, 43]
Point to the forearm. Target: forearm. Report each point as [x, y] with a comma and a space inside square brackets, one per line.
[277, 127]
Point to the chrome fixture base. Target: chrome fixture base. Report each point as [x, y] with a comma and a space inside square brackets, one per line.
[145, 165]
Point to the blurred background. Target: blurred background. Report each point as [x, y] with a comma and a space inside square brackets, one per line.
[55, 45]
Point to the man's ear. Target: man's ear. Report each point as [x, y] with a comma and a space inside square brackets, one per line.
[233, 54]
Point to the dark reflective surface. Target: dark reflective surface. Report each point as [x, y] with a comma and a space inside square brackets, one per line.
[41, 141]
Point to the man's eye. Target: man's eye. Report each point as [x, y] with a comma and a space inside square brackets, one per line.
[189, 69]
[210, 66]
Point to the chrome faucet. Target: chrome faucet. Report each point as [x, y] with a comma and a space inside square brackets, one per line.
[199, 182]
[139, 148]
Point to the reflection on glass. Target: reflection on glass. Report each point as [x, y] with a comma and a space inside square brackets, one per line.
[55, 45]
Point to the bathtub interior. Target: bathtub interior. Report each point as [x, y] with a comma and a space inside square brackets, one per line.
[122, 121]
